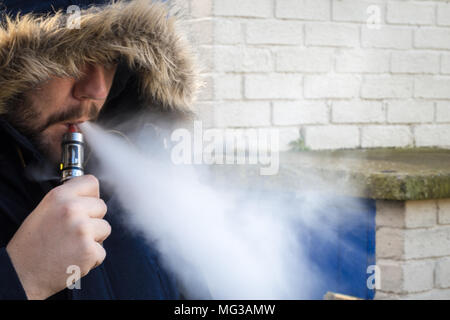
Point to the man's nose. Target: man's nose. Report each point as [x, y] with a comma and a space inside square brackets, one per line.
[92, 84]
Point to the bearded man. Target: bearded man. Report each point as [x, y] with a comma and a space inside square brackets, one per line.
[123, 58]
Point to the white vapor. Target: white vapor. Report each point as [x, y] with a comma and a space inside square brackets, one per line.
[219, 244]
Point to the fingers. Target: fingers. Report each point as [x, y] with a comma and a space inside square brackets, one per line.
[93, 207]
[85, 186]
[100, 255]
[101, 229]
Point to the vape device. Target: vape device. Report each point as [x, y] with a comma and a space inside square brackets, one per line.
[72, 154]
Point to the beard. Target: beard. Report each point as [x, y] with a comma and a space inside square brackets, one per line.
[26, 117]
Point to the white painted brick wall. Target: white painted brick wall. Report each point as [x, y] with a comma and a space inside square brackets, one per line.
[363, 61]
[335, 137]
[308, 60]
[432, 38]
[334, 35]
[415, 62]
[303, 112]
[354, 11]
[410, 111]
[437, 88]
[432, 135]
[443, 111]
[288, 86]
[318, 10]
[322, 67]
[445, 63]
[228, 86]
[443, 14]
[386, 87]
[387, 37]
[338, 86]
[274, 32]
[357, 111]
[386, 136]
[410, 13]
[242, 114]
[243, 8]
[241, 59]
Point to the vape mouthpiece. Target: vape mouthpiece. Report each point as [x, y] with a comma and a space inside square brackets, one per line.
[73, 128]
[72, 154]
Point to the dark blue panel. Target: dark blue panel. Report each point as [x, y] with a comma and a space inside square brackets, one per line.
[343, 247]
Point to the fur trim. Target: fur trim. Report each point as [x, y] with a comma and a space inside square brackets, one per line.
[141, 33]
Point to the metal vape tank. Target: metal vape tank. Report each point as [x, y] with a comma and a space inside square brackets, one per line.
[72, 154]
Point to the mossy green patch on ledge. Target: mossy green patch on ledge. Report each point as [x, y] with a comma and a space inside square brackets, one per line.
[390, 174]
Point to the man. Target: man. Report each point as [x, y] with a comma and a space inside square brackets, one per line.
[124, 58]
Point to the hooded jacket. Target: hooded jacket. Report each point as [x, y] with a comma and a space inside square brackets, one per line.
[156, 75]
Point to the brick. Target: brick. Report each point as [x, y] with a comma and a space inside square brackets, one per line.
[427, 243]
[386, 136]
[443, 111]
[357, 112]
[304, 60]
[418, 276]
[391, 276]
[432, 38]
[436, 88]
[274, 32]
[228, 86]
[204, 112]
[445, 63]
[239, 59]
[228, 32]
[301, 112]
[406, 214]
[354, 11]
[387, 37]
[443, 14]
[386, 87]
[242, 114]
[432, 135]
[414, 62]
[362, 61]
[410, 111]
[420, 214]
[406, 277]
[390, 214]
[390, 244]
[200, 8]
[332, 35]
[243, 8]
[443, 273]
[205, 57]
[331, 137]
[201, 32]
[316, 10]
[339, 86]
[275, 86]
[443, 211]
[410, 13]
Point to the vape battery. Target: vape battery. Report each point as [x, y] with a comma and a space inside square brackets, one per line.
[72, 154]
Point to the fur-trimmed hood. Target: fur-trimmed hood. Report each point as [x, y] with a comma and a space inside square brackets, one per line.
[139, 33]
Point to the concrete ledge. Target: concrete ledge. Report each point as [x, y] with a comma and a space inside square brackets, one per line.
[387, 174]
